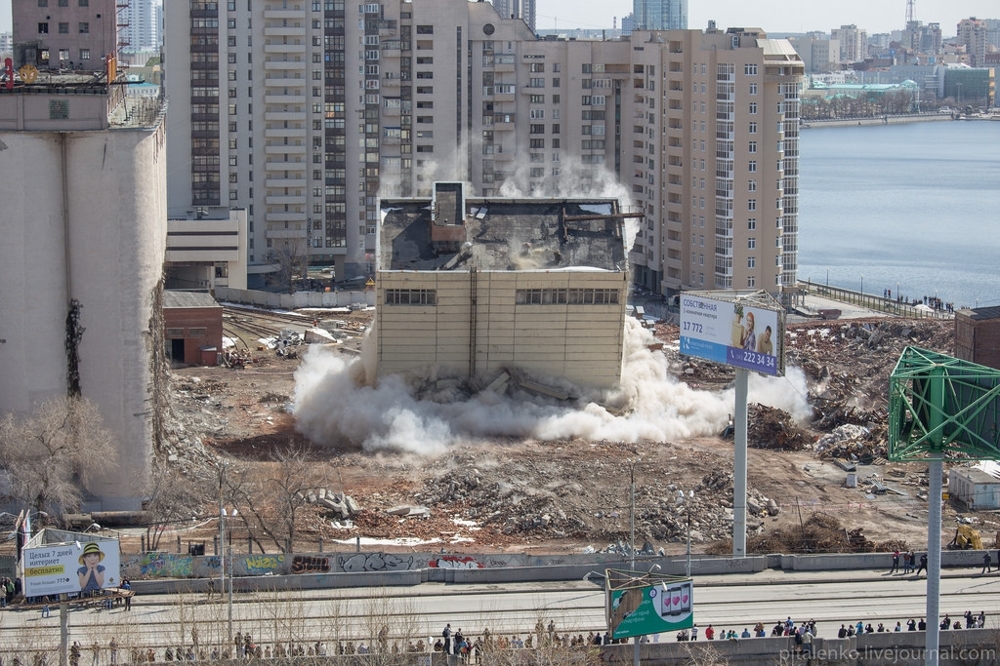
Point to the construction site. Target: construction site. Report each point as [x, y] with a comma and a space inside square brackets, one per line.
[418, 467]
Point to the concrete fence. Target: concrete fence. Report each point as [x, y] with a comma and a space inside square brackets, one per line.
[300, 299]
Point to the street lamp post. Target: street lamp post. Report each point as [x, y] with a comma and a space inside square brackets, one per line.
[862, 288]
[686, 500]
[827, 278]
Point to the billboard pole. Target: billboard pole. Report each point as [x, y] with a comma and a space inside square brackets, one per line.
[63, 630]
[740, 465]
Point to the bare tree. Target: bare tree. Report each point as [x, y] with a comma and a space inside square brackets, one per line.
[174, 495]
[51, 455]
[291, 261]
[270, 499]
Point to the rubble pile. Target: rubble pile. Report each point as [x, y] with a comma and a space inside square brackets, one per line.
[339, 506]
[820, 533]
[772, 428]
[854, 443]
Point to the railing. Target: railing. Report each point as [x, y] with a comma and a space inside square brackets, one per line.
[889, 306]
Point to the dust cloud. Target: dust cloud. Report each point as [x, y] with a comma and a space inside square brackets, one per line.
[334, 406]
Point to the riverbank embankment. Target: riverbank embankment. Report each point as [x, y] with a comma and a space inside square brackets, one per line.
[880, 120]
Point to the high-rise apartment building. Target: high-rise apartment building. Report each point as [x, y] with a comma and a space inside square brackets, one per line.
[660, 14]
[84, 220]
[973, 33]
[305, 113]
[141, 25]
[853, 43]
[517, 9]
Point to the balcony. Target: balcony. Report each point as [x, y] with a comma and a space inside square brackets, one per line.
[285, 99]
[284, 64]
[280, 200]
[283, 149]
[285, 233]
[284, 48]
[285, 182]
[284, 31]
[296, 12]
[282, 132]
[284, 115]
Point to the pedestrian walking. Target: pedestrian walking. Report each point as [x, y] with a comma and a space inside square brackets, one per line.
[895, 562]
[923, 563]
[987, 560]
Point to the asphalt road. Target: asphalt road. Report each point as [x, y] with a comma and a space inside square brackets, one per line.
[731, 601]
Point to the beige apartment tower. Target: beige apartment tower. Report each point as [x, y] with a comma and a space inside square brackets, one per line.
[306, 113]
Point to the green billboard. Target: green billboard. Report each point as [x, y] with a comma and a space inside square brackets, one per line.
[650, 609]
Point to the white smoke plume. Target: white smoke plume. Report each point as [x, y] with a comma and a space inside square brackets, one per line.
[334, 406]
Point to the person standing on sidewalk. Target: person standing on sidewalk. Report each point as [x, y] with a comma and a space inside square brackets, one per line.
[895, 562]
[923, 563]
[987, 560]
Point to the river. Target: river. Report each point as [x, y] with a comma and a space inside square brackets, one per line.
[913, 208]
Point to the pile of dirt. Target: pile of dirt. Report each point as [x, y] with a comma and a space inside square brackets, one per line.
[820, 533]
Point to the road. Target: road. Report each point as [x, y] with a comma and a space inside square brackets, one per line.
[420, 612]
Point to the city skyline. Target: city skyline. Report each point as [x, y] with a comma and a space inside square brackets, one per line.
[772, 17]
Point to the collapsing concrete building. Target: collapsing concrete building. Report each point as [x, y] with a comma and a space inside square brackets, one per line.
[475, 286]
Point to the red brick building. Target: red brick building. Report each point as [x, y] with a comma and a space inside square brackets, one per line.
[977, 336]
[193, 327]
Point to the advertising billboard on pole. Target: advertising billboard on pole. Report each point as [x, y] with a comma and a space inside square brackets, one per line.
[741, 332]
[651, 609]
[72, 567]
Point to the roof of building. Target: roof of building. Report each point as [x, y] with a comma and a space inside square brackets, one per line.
[976, 475]
[501, 234]
[979, 314]
[188, 299]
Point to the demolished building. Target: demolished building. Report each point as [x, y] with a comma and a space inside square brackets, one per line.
[472, 287]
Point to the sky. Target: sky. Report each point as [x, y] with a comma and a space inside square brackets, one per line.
[772, 16]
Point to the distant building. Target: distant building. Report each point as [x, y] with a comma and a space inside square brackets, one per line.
[192, 323]
[628, 24]
[973, 33]
[853, 43]
[470, 287]
[660, 14]
[968, 86]
[977, 336]
[818, 52]
[141, 25]
[517, 9]
[6, 45]
[84, 218]
[974, 488]
[207, 248]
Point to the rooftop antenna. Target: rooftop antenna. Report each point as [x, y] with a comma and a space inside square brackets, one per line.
[909, 11]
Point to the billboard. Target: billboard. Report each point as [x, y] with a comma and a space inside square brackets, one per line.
[651, 609]
[73, 567]
[738, 332]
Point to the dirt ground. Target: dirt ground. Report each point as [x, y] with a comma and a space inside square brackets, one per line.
[571, 496]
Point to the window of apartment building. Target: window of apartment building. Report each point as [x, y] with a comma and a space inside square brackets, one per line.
[753, 88]
[232, 93]
[231, 41]
[752, 204]
[43, 28]
[537, 114]
[751, 281]
[556, 82]
[84, 54]
[752, 166]
[752, 147]
[537, 99]
[536, 82]
[753, 128]
[64, 3]
[84, 3]
[43, 3]
[555, 144]
[537, 143]
[536, 129]
[232, 109]
[751, 243]
[63, 28]
[556, 99]
[537, 67]
[425, 30]
[751, 224]
[535, 158]
[537, 172]
[753, 108]
[555, 128]
[750, 69]
[232, 58]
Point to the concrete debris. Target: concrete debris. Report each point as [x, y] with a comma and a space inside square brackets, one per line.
[408, 510]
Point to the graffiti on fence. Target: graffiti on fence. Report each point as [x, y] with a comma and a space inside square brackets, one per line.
[455, 562]
[158, 565]
[310, 564]
[263, 563]
[375, 562]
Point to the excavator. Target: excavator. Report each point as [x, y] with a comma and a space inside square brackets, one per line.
[968, 538]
